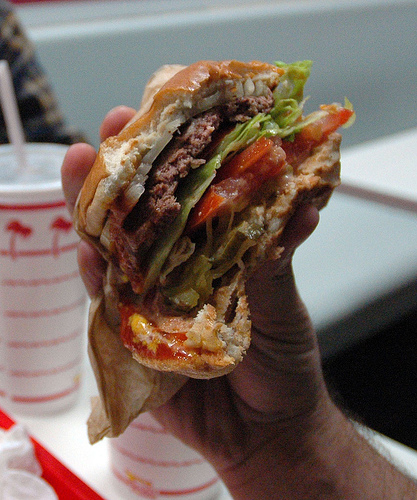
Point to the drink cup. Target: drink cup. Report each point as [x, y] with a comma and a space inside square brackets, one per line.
[148, 462]
[42, 298]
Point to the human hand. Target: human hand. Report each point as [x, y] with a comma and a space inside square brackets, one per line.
[275, 393]
[77, 163]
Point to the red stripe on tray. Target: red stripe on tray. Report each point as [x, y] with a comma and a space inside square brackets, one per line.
[35, 344]
[65, 483]
[34, 206]
[24, 314]
[159, 463]
[55, 280]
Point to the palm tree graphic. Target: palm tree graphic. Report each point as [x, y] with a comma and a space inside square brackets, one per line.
[59, 226]
[17, 229]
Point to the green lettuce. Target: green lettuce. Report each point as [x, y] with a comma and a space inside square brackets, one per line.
[208, 264]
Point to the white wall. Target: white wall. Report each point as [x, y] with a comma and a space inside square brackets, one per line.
[100, 54]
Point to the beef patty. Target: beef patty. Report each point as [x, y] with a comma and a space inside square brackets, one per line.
[159, 206]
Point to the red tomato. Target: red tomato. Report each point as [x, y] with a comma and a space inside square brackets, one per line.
[244, 160]
[315, 133]
[318, 131]
[243, 175]
[208, 205]
[239, 178]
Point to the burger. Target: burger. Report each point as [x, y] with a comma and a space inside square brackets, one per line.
[190, 197]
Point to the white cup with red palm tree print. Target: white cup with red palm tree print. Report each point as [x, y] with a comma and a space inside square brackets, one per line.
[148, 462]
[42, 298]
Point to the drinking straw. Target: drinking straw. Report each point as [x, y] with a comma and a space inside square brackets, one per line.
[11, 115]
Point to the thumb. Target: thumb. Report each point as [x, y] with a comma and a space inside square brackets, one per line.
[298, 229]
[92, 268]
[275, 305]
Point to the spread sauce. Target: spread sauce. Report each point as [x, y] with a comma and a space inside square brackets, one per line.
[141, 336]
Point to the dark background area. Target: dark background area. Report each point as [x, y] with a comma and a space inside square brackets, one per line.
[376, 380]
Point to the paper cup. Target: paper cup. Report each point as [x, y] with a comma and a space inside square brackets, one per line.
[148, 462]
[42, 298]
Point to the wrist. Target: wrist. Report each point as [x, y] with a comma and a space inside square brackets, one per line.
[322, 457]
[283, 465]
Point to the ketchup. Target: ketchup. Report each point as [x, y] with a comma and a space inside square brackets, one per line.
[173, 348]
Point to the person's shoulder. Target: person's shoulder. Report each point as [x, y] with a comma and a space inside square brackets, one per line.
[5, 9]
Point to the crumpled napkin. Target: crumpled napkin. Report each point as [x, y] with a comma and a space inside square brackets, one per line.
[20, 471]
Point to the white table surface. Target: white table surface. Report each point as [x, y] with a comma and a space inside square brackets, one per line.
[65, 436]
[360, 253]
[384, 170]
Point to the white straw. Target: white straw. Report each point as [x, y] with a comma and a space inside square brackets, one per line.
[11, 115]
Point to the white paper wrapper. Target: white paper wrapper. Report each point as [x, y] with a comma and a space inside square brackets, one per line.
[20, 471]
[126, 388]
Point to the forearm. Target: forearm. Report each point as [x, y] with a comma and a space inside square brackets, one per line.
[334, 462]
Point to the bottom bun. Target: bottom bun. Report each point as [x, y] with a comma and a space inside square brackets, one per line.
[217, 337]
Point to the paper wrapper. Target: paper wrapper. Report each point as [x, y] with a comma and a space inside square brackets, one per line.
[20, 470]
[126, 388]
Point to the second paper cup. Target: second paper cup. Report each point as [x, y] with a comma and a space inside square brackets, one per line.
[148, 462]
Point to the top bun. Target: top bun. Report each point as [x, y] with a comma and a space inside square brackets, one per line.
[189, 91]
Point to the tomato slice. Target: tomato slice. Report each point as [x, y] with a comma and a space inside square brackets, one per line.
[208, 205]
[236, 181]
[245, 160]
[335, 117]
[263, 160]
[315, 133]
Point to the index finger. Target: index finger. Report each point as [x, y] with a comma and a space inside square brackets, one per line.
[115, 120]
[80, 157]
[75, 167]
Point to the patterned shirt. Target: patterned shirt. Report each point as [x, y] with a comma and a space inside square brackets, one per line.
[41, 117]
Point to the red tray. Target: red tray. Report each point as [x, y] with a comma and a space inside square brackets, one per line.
[66, 484]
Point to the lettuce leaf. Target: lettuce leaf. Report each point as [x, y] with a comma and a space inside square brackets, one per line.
[201, 270]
